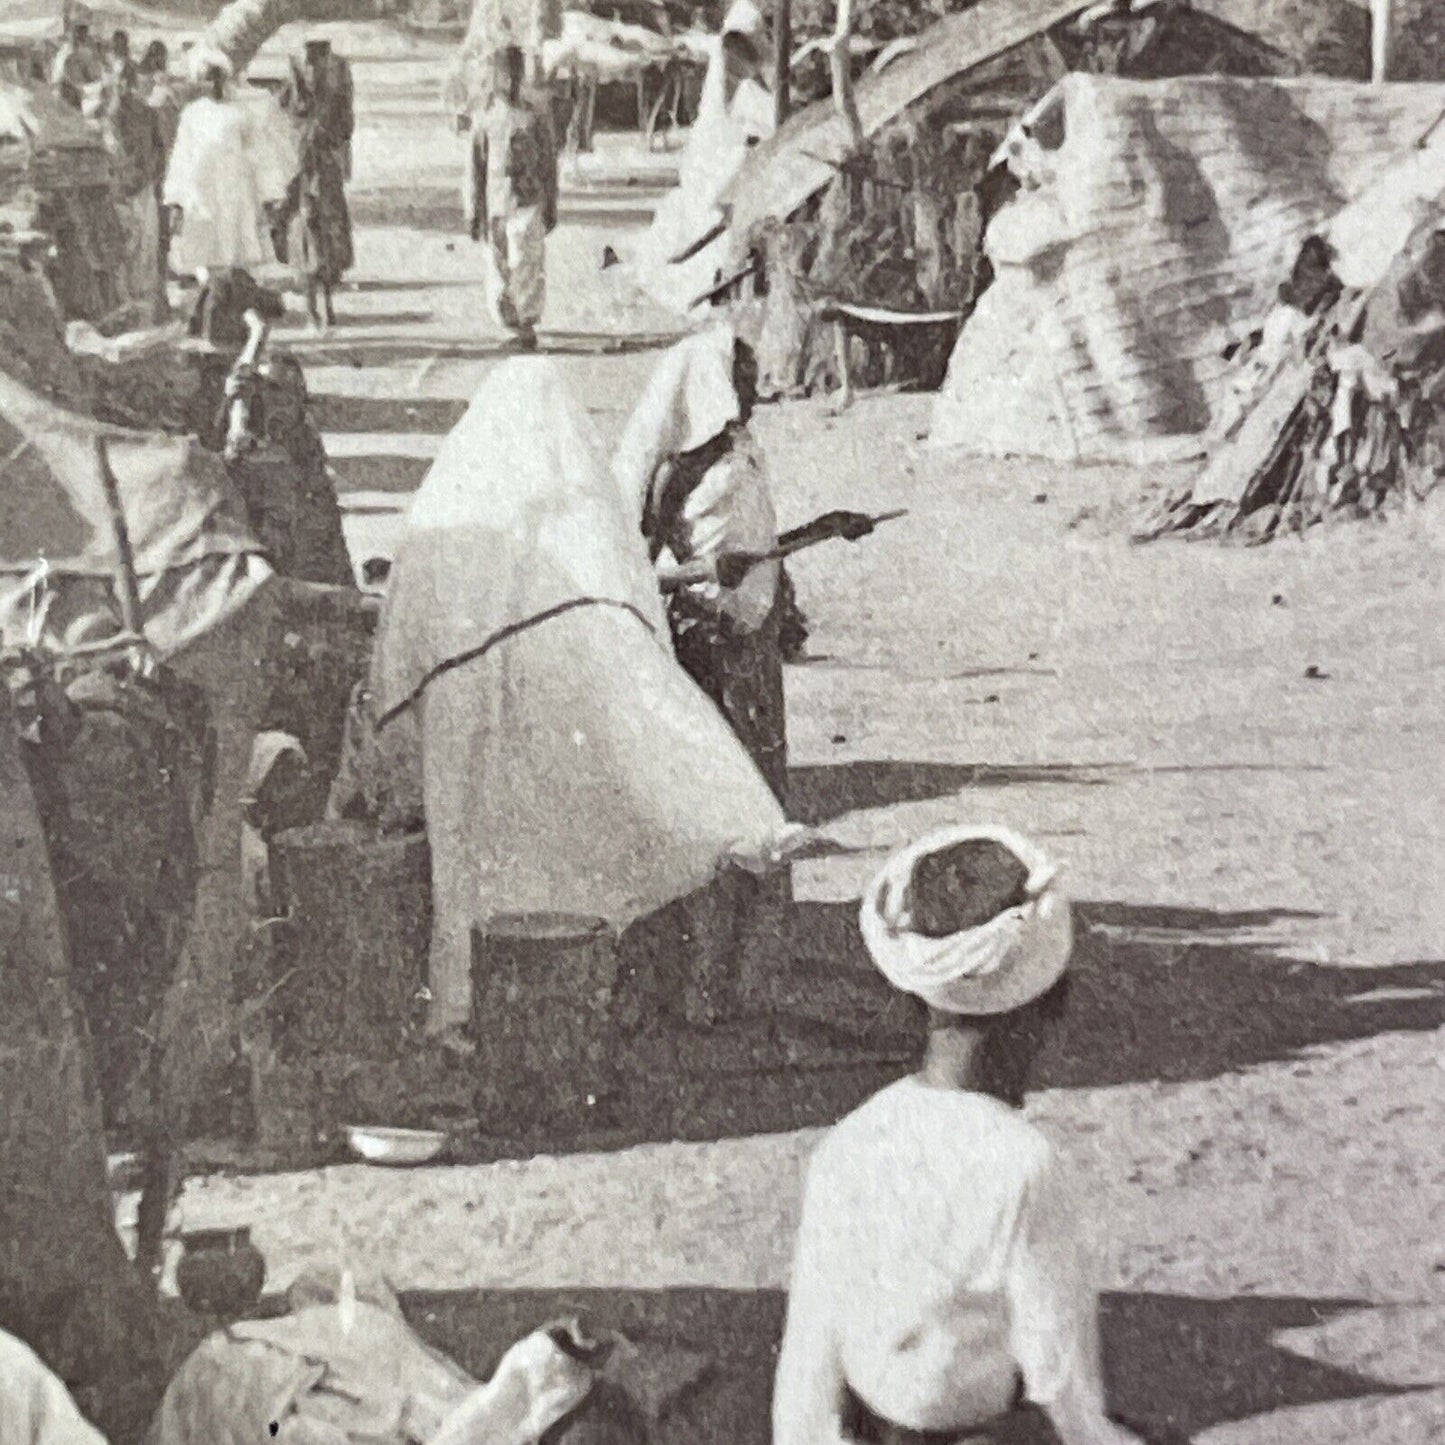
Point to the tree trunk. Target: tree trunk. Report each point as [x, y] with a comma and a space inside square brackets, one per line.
[782, 63]
[840, 65]
[1380, 41]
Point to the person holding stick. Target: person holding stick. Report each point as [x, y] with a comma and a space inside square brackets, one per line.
[689, 464]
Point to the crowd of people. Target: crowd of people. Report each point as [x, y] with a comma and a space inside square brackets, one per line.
[211, 179]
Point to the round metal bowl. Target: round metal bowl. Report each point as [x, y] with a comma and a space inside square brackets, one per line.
[394, 1146]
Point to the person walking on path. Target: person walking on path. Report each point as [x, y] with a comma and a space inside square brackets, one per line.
[315, 223]
[158, 92]
[512, 200]
[134, 135]
[941, 1280]
[228, 167]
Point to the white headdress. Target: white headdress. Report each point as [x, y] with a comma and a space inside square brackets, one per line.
[1001, 965]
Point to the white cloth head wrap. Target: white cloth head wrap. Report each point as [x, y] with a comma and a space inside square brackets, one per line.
[690, 398]
[1000, 965]
[744, 18]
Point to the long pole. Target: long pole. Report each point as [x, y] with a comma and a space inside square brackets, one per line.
[1380, 38]
[126, 582]
[782, 62]
[839, 62]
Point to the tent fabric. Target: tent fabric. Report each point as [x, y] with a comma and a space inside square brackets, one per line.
[609, 50]
[1153, 236]
[65, 1281]
[196, 561]
[38, 1408]
[781, 173]
[718, 144]
[569, 764]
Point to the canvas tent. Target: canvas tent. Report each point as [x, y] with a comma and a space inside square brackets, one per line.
[144, 540]
[1156, 221]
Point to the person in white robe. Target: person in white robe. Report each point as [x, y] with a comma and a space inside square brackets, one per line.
[569, 764]
[232, 160]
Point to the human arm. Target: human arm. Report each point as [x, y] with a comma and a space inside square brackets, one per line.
[1053, 1306]
[810, 1387]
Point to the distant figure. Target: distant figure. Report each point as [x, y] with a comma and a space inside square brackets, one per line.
[513, 200]
[78, 65]
[689, 461]
[226, 171]
[315, 224]
[157, 90]
[134, 134]
[941, 1278]
[119, 62]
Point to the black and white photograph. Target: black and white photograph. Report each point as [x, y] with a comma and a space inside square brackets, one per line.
[723, 722]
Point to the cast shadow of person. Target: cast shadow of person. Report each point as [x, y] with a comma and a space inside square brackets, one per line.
[1177, 1365]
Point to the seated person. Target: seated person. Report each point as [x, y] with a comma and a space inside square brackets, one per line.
[940, 1281]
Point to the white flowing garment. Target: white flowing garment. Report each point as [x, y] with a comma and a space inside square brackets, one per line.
[689, 399]
[569, 764]
[231, 158]
[35, 1408]
[717, 144]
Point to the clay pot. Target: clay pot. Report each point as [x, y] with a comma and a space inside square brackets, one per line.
[220, 1271]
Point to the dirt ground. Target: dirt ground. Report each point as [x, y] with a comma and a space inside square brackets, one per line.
[1236, 753]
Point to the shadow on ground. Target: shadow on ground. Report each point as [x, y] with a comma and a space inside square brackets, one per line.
[379, 472]
[824, 793]
[382, 351]
[426, 208]
[1177, 1365]
[433, 416]
[1158, 995]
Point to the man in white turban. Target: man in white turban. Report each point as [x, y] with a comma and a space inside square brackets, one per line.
[940, 1281]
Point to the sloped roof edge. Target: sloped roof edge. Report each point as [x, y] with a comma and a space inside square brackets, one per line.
[783, 171]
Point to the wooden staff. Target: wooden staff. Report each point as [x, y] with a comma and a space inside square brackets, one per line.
[126, 581]
[782, 56]
[732, 568]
